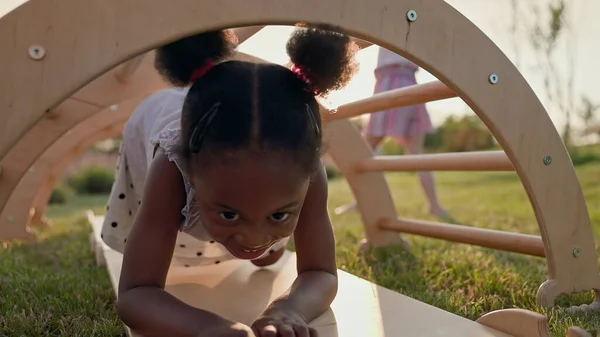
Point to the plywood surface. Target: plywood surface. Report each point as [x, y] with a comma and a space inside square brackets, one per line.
[240, 291]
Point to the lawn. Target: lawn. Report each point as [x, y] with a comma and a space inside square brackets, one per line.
[53, 288]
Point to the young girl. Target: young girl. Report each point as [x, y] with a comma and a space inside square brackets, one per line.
[227, 167]
[407, 125]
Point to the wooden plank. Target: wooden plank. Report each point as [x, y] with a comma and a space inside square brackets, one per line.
[361, 308]
[453, 161]
[495, 239]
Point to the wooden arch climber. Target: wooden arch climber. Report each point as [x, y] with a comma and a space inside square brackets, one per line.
[105, 124]
[54, 63]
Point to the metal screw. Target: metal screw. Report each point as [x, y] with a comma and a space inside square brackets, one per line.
[576, 252]
[493, 78]
[547, 160]
[37, 52]
[411, 15]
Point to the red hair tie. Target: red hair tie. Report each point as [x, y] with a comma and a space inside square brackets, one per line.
[302, 76]
[200, 71]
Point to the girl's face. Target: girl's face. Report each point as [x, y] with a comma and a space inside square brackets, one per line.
[251, 202]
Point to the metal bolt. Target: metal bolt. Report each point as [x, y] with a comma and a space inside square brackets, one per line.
[411, 15]
[37, 52]
[547, 160]
[576, 252]
[493, 78]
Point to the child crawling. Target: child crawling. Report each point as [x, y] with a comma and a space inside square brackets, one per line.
[227, 166]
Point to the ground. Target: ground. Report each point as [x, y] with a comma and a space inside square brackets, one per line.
[54, 288]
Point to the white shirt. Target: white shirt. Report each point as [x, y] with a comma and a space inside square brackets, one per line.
[158, 112]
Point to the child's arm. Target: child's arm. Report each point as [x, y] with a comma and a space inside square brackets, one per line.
[143, 304]
[316, 286]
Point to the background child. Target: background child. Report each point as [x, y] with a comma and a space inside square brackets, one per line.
[408, 126]
[227, 167]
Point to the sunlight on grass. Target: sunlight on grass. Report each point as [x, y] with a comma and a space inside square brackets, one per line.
[54, 287]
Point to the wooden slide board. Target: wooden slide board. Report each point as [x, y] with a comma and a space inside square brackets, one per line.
[361, 308]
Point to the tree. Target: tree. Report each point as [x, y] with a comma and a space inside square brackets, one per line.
[550, 27]
[588, 115]
[460, 134]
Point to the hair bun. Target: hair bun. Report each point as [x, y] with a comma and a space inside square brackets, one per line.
[178, 60]
[322, 57]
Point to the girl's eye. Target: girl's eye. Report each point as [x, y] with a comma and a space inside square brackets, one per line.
[229, 216]
[280, 216]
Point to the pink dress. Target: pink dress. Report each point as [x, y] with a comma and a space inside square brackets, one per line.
[393, 72]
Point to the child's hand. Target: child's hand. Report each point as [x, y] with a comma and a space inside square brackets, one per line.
[235, 330]
[277, 322]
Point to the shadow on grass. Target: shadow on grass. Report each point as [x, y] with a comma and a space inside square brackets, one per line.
[393, 268]
[54, 288]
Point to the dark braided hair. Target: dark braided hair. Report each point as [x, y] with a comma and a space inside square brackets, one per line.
[238, 105]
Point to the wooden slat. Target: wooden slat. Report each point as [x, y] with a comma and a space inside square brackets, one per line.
[462, 161]
[406, 96]
[507, 241]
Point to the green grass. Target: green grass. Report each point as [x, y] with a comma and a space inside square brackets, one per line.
[53, 288]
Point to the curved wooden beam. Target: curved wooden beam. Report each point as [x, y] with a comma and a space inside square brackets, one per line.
[57, 157]
[439, 39]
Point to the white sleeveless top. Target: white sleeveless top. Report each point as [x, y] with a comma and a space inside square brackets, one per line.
[156, 122]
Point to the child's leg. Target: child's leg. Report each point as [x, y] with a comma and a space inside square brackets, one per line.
[414, 145]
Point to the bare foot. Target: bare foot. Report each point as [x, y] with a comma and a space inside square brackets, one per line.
[441, 213]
